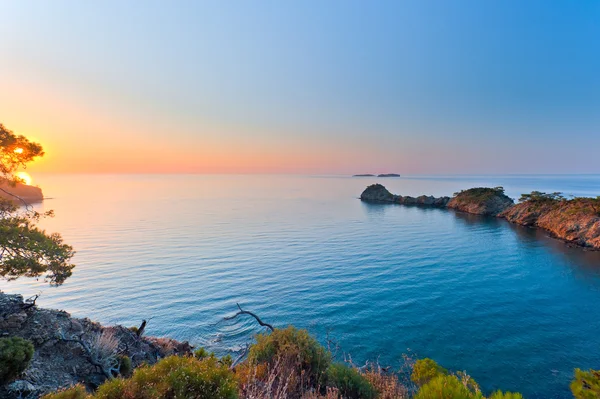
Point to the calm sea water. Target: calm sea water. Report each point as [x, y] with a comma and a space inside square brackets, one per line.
[514, 308]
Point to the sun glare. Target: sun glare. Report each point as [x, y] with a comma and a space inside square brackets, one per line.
[25, 178]
[18, 150]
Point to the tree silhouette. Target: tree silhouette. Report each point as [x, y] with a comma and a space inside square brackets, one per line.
[25, 249]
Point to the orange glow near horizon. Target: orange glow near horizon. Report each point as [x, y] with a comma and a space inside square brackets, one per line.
[25, 178]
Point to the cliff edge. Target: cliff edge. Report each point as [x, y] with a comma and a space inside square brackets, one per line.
[576, 221]
[70, 350]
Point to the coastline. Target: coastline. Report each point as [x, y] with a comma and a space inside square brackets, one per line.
[575, 222]
[65, 347]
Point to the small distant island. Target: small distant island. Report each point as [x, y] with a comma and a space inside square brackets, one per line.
[575, 221]
[380, 175]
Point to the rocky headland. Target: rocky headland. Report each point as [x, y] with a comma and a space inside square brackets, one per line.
[575, 221]
[29, 194]
[69, 350]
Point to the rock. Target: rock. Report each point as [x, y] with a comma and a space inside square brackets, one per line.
[425, 200]
[481, 201]
[576, 221]
[57, 363]
[21, 386]
[408, 200]
[377, 193]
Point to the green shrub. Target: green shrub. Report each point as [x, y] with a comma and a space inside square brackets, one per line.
[226, 360]
[425, 370]
[480, 194]
[125, 366]
[538, 196]
[349, 382]
[446, 387]
[586, 384]
[172, 377]
[76, 392]
[201, 353]
[292, 345]
[15, 355]
[506, 395]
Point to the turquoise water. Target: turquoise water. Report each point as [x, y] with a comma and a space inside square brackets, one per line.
[514, 308]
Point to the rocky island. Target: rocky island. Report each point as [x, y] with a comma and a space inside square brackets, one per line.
[575, 221]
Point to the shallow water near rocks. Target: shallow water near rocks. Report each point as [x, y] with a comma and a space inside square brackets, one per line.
[515, 309]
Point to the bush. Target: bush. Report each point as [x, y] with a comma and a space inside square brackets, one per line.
[349, 382]
[77, 392]
[480, 194]
[172, 377]
[15, 355]
[387, 385]
[538, 196]
[586, 384]
[446, 387]
[201, 353]
[425, 370]
[292, 345]
[506, 395]
[125, 366]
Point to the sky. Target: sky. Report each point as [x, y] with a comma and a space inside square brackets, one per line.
[309, 87]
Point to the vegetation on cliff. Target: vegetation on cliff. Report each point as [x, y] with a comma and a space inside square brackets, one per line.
[481, 201]
[15, 355]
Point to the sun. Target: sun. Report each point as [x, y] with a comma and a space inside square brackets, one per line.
[18, 151]
[25, 178]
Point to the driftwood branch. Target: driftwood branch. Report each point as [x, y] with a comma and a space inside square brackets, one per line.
[30, 302]
[242, 311]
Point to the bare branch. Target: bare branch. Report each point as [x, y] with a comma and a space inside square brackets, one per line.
[25, 203]
[30, 302]
[242, 311]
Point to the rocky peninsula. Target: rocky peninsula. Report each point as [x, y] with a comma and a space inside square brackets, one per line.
[21, 192]
[69, 350]
[575, 221]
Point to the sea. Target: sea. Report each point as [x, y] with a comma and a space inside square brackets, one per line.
[513, 308]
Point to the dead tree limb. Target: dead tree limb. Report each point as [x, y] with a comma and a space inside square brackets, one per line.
[242, 311]
[30, 302]
[141, 329]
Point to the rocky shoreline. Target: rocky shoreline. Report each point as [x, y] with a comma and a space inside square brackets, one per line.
[575, 221]
[70, 350]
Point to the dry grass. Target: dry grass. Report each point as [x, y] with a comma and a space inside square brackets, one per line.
[387, 384]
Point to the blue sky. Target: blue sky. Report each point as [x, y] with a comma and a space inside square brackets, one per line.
[306, 87]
